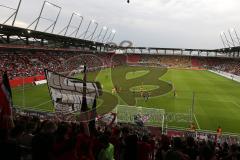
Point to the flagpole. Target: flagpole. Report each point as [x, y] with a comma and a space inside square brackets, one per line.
[84, 100]
[84, 107]
[92, 122]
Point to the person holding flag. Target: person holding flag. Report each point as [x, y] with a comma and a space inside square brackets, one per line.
[6, 120]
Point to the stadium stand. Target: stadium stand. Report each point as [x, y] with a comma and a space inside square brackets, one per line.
[27, 64]
[195, 62]
[34, 138]
[134, 58]
[43, 135]
[222, 64]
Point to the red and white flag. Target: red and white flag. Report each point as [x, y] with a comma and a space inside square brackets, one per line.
[6, 120]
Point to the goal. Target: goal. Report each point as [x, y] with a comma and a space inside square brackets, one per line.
[149, 116]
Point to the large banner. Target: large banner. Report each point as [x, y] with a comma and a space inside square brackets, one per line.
[67, 92]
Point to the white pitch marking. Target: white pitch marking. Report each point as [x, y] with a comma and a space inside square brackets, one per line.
[196, 121]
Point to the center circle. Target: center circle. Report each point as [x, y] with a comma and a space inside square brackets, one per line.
[143, 88]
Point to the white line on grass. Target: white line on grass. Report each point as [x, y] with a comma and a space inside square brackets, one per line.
[236, 104]
[196, 121]
[41, 104]
[35, 107]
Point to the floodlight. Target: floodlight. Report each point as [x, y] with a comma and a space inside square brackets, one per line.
[77, 14]
[47, 3]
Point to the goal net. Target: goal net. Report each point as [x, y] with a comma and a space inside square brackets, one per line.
[140, 115]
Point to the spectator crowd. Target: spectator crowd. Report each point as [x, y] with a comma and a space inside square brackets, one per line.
[29, 64]
[49, 139]
[32, 64]
[33, 138]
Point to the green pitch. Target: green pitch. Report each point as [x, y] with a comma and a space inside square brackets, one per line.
[216, 102]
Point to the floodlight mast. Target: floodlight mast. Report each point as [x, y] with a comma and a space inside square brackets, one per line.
[109, 37]
[69, 24]
[55, 21]
[94, 31]
[229, 44]
[111, 34]
[114, 33]
[103, 28]
[84, 36]
[79, 24]
[7, 7]
[222, 40]
[13, 14]
[47, 2]
[238, 40]
[16, 13]
[231, 38]
[40, 14]
[105, 35]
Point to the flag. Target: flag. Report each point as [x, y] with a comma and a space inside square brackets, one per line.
[70, 95]
[6, 120]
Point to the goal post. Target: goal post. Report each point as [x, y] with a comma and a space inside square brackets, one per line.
[148, 116]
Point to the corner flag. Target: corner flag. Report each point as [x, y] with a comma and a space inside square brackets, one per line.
[6, 121]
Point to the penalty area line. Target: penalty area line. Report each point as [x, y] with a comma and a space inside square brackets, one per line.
[196, 121]
[41, 104]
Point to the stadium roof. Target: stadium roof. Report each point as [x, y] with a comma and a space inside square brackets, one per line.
[15, 37]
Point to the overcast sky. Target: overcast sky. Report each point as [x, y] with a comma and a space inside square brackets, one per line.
[148, 23]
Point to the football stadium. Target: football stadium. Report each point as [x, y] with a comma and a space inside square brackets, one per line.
[72, 89]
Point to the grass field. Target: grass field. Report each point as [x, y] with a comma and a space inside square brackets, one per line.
[216, 98]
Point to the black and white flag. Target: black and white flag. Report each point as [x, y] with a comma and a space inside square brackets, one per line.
[66, 92]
